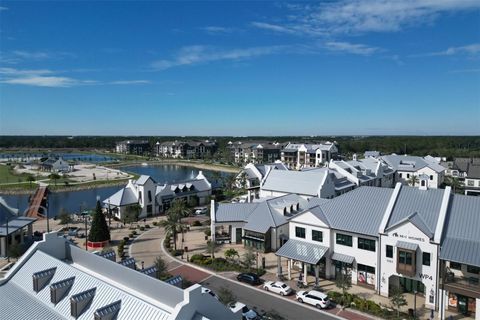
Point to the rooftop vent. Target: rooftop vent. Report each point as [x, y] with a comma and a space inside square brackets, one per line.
[109, 312]
[129, 263]
[42, 278]
[59, 290]
[80, 302]
[151, 271]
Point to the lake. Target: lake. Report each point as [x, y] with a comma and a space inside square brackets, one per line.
[67, 156]
[72, 200]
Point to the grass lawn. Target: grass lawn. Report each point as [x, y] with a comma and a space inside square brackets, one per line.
[7, 175]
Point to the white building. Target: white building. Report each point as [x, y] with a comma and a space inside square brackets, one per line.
[298, 156]
[252, 175]
[55, 164]
[407, 166]
[57, 280]
[154, 198]
[467, 170]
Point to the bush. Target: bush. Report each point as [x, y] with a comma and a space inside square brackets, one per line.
[176, 253]
[134, 232]
[207, 232]
[197, 258]
[155, 223]
[147, 226]
[142, 228]
[132, 228]
[126, 239]
[131, 235]
[197, 223]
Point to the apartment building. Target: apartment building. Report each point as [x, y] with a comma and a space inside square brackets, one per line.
[186, 149]
[298, 156]
[138, 147]
[256, 152]
[467, 170]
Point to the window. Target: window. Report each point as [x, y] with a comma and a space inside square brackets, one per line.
[455, 266]
[300, 232]
[408, 175]
[344, 239]
[405, 257]
[423, 183]
[400, 175]
[431, 177]
[470, 183]
[317, 235]
[362, 267]
[149, 196]
[426, 259]
[389, 251]
[472, 269]
[366, 244]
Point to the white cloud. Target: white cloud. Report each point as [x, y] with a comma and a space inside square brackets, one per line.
[198, 54]
[129, 82]
[16, 72]
[218, 30]
[3, 8]
[353, 48]
[471, 49]
[42, 81]
[29, 55]
[360, 16]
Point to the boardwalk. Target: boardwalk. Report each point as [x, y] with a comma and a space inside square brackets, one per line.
[37, 203]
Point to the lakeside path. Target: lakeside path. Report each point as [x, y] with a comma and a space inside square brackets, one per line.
[184, 163]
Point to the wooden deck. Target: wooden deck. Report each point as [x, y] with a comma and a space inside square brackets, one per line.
[37, 203]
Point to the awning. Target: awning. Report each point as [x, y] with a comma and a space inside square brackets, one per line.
[407, 245]
[302, 251]
[343, 258]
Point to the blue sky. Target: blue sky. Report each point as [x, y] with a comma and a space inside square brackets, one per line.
[240, 68]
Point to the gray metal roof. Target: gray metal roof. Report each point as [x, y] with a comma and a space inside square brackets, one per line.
[343, 258]
[359, 211]
[15, 224]
[461, 241]
[302, 251]
[417, 221]
[407, 245]
[122, 197]
[133, 307]
[299, 182]
[315, 201]
[233, 212]
[426, 203]
[143, 179]
[410, 163]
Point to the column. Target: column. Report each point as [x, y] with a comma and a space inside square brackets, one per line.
[317, 270]
[249, 196]
[328, 268]
[289, 268]
[477, 313]
[3, 247]
[279, 266]
[305, 282]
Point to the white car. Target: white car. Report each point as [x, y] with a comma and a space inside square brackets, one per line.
[201, 211]
[247, 313]
[315, 298]
[277, 287]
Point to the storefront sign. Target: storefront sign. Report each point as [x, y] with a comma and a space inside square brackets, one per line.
[402, 236]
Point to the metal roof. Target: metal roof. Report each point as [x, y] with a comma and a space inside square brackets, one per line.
[302, 251]
[417, 221]
[359, 211]
[407, 245]
[426, 203]
[122, 197]
[143, 179]
[461, 242]
[133, 307]
[343, 258]
[231, 212]
[15, 225]
[299, 182]
[411, 163]
[315, 201]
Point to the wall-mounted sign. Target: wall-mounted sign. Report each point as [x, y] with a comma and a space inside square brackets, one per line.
[402, 236]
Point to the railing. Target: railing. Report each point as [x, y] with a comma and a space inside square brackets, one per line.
[470, 283]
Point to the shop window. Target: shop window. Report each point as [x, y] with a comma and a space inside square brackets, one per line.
[366, 244]
[317, 235]
[455, 266]
[300, 232]
[426, 258]
[344, 240]
[472, 269]
[366, 274]
[389, 250]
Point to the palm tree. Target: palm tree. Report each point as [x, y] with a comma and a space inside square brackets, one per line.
[413, 180]
[172, 226]
[54, 177]
[453, 182]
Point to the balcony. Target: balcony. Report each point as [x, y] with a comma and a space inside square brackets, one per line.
[468, 286]
[406, 269]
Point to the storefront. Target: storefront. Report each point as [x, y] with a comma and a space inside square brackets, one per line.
[258, 241]
[365, 275]
[461, 304]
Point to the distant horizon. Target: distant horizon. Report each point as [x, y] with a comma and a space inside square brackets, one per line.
[234, 136]
[215, 68]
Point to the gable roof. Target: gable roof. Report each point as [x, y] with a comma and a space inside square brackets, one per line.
[359, 211]
[426, 203]
[143, 179]
[122, 197]
[410, 163]
[417, 221]
[461, 241]
[299, 182]
[317, 212]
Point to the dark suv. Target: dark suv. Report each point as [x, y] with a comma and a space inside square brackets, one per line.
[250, 278]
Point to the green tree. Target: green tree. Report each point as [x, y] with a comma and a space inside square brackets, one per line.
[344, 280]
[178, 209]
[413, 180]
[397, 299]
[99, 230]
[172, 226]
[231, 254]
[132, 213]
[249, 258]
[64, 217]
[54, 177]
[211, 247]
[161, 267]
[455, 183]
[226, 296]
[30, 178]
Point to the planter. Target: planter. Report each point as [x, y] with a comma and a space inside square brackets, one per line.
[95, 245]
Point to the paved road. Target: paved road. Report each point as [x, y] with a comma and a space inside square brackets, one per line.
[262, 301]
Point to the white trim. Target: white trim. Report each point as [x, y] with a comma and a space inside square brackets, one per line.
[389, 209]
[442, 215]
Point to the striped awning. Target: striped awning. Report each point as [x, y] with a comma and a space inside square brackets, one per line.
[342, 258]
[407, 245]
[302, 251]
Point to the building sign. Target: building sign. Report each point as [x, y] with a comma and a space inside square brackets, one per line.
[402, 236]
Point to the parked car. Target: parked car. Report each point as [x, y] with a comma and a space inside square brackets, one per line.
[315, 298]
[277, 287]
[201, 211]
[250, 278]
[247, 313]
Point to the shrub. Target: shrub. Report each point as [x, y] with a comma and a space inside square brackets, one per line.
[132, 228]
[142, 228]
[197, 258]
[207, 232]
[131, 235]
[134, 232]
[126, 239]
[147, 226]
[196, 223]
